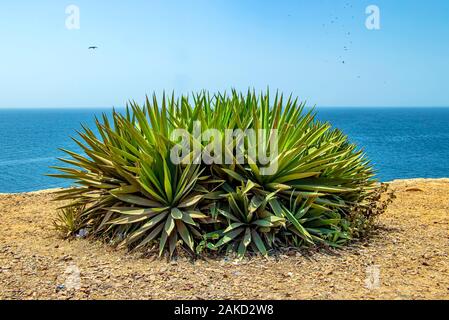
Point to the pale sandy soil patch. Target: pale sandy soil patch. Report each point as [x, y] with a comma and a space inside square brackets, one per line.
[406, 258]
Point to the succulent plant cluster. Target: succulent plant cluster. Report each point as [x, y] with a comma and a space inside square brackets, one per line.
[128, 191]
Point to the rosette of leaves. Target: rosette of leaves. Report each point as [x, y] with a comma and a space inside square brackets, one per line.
[248, 219]
[171, 215]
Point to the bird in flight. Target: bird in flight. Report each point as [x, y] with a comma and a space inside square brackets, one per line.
[92, 47]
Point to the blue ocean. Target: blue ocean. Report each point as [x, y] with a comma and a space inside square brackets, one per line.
[401, 142]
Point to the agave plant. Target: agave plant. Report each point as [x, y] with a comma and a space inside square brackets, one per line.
[166, 210]
[134, 195]
[248, 220]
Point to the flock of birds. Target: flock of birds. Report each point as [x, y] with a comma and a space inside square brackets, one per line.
[334, 22]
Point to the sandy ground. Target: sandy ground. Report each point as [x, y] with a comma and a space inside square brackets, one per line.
[406, 258]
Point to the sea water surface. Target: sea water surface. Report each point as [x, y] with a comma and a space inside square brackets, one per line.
[401, 142]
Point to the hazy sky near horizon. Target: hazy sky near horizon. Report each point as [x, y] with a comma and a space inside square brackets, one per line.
[294, 46]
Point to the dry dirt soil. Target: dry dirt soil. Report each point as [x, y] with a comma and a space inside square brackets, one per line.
[407, 257]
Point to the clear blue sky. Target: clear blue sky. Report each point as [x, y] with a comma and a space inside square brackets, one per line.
[295, 46]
